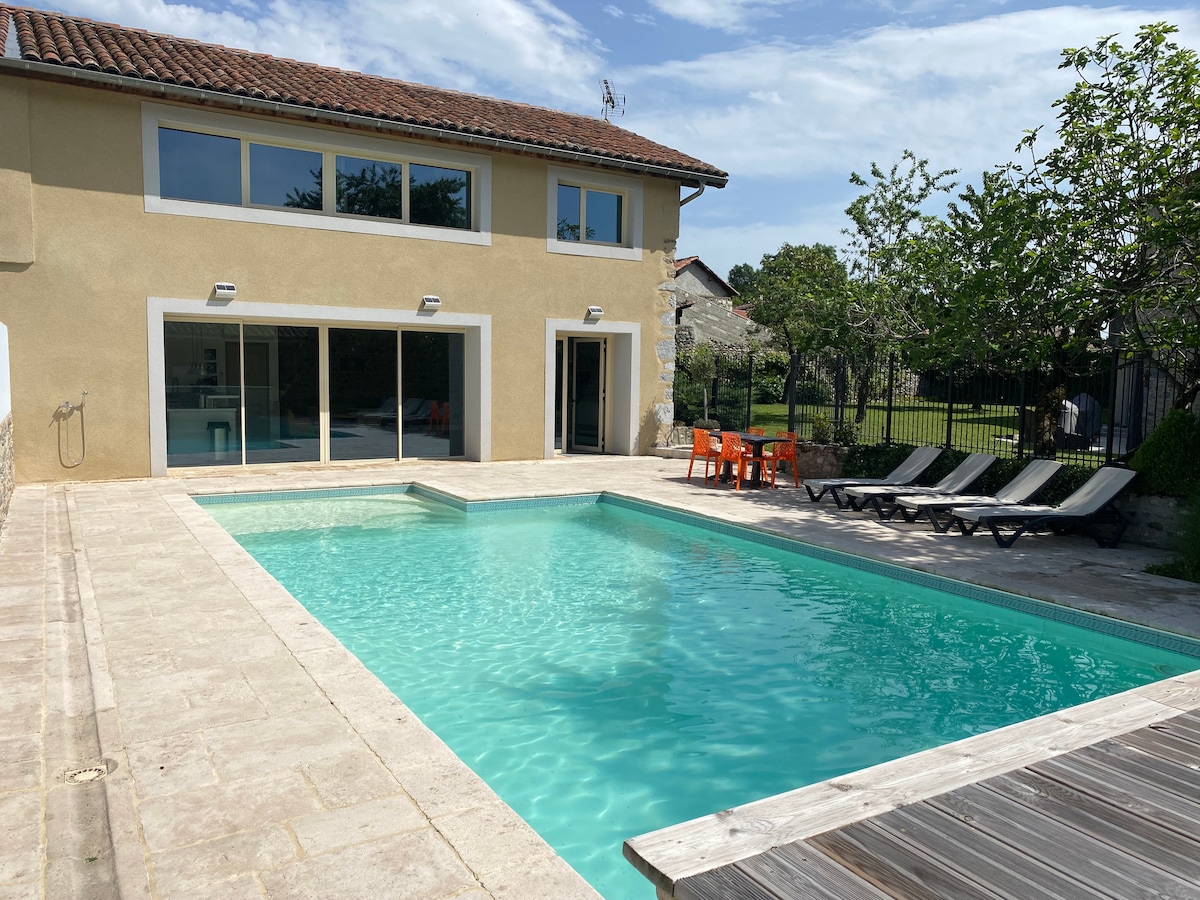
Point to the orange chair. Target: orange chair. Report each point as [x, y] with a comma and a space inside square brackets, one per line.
[435, 418]
[785, 451]
[445, 423]
[761, 431]
[733, 452]
[704, 444]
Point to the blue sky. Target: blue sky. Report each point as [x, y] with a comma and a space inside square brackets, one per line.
[788, 96]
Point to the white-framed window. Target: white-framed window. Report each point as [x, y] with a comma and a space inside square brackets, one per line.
[212, 165]
[593, 214]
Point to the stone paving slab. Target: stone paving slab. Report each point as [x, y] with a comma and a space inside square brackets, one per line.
[250, 755]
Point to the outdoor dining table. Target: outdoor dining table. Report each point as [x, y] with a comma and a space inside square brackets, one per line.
[756, 442]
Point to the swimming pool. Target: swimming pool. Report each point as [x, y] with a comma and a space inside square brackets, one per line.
[611, 669]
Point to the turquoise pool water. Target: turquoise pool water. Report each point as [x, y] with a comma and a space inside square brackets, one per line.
[609, 671]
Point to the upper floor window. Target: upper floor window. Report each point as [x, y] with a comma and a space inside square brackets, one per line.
[589, 215]
[594, 214]
[218, 166]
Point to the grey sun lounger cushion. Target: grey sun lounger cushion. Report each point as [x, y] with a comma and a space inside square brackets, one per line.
[905, 473]
[1028, 482]
[882, 497]
[1089, 507]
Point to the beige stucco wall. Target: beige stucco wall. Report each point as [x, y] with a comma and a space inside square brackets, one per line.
[77, 313]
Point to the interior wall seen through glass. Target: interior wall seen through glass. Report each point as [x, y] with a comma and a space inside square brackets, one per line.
[202, 368]
[363, 405]
[204, 167]
[431, 408]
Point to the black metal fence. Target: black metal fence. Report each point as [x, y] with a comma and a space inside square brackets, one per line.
[1091, 409]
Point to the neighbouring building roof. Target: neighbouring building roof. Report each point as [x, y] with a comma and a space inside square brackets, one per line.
[681, 264]
[165, 66]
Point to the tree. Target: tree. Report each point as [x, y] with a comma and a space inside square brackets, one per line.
[801, 293]
[741, 278]
[1125, 178]
[889, 221]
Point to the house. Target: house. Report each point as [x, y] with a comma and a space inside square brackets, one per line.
[705, 308]
[211, 257]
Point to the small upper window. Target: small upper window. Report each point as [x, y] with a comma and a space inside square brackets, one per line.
[589, 215]
[204, 167]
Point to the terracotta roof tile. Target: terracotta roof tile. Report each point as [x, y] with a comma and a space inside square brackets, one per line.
[74, 42]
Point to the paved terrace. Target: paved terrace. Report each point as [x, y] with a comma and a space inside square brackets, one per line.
[246, 754]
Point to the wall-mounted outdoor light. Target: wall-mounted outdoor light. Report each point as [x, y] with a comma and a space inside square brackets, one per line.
[594, 313]
[225, 290]
[429, 301]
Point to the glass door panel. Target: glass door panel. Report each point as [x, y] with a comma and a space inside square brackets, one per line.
[431, 390]
[203, 388]
[587, 395]
[363, 410]
[282, 394]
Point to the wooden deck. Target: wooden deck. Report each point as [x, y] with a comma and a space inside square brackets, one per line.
[1115, 819]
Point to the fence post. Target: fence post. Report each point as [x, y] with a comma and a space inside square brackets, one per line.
[950, 409]
[1112, 406]
[793, 375]
[839, 390]
[891, 393]
[1021, 417]
[749, 386]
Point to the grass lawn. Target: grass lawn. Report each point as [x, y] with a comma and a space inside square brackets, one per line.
[990, 429]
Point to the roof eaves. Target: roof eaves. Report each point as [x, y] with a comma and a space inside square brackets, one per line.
[185, 93]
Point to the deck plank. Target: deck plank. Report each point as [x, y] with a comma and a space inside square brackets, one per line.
[796, 870]
[1109, 871]
[896, 867]
[1118, 789]
[990, 863]
[1114, 826]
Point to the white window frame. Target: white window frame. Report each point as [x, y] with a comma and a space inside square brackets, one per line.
[631, 191]
[155, 115]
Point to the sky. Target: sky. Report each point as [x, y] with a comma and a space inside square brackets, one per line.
[788, 96]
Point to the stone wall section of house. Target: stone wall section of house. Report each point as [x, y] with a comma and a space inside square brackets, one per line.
[712, 320]
[8, 478]
[665, 350]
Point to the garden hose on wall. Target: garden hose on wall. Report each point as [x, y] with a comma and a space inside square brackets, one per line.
[63, 416]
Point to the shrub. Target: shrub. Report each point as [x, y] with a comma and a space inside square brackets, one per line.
[813, 393]
[845, 434]
[874, 460]
[1167, 462]
[707, 424]
[822, 429]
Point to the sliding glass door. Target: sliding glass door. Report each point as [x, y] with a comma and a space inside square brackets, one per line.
[264, 393]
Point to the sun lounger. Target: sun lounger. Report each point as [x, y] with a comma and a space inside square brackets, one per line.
[879, 496]
[1089, 507]
[905, 473]
[935, 507]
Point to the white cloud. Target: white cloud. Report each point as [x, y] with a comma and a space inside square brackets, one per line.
[733, 16]
[960, 94]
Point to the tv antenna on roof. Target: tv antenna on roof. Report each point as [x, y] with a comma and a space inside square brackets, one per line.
[614, 103]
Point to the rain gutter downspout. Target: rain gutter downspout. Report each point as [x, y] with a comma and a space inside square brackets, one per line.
[690, 197]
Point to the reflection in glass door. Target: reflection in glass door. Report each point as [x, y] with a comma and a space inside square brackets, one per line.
[363, 409]
[203, 387]
[587, 394]
[283, 396]
[431, 380]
